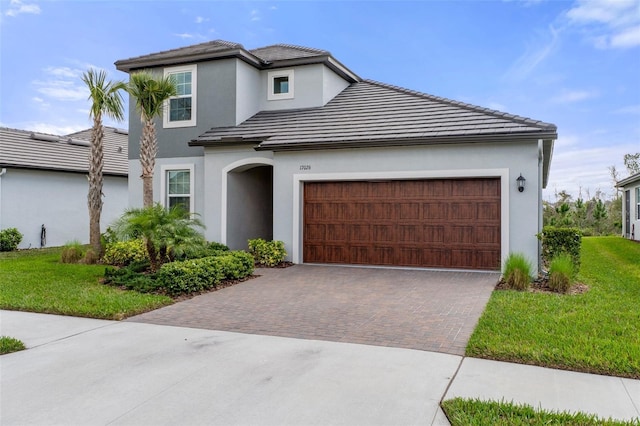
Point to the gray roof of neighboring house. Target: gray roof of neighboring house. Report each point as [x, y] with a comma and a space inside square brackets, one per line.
[629, 180]
[268, 57]
[64, 153]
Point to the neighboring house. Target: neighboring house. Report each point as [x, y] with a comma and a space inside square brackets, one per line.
[631, 206]
[44, 186]
[286, 142]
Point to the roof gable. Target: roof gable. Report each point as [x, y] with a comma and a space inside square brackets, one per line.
[64, 153]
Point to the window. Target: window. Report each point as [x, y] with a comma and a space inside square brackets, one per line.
[180, 110]
[177, 186]
[280, 85]
[638, 203]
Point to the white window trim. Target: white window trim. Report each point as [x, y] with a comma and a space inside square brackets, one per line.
[272, 75]
[194, 98]
[163, 183]
[637, 194]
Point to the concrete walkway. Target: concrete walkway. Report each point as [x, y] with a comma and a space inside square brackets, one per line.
[84, 371]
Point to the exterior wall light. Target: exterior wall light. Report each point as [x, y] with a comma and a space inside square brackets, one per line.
[521, 180]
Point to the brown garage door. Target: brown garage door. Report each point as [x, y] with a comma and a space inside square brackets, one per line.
[439, 223]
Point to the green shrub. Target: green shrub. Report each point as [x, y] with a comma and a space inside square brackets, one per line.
[561, 240]
[132, 278]
[90, 257]
[199, 251]
[561, 273]
[72, 252]
[122, 253]
[190, 276]
[235, 264]
[517, 272]
[267, 253]
[9, 239]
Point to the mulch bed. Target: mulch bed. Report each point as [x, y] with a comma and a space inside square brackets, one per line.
[541, 285]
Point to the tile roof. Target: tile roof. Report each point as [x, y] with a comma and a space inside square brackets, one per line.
[369, 113]
[18, 149]
[280, 52]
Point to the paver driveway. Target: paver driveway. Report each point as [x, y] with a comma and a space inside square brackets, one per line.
[416, 309]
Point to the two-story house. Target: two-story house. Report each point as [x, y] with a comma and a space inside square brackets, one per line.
[286, 142]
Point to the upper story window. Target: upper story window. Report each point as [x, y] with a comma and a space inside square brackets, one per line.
[638, 203]
[280, 85]
[180, 110]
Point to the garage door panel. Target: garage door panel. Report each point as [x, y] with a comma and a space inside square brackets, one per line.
[443, 223]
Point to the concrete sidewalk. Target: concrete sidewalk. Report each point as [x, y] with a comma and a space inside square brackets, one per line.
[84, 371]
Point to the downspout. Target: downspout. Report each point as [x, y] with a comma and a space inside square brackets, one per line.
[540, 205]
[2, 173]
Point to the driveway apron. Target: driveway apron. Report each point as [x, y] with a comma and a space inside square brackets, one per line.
[415, 309]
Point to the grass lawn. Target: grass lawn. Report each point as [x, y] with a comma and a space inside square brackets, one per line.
[475, 412]
[35, 281]
[10, 344]
[594, 332]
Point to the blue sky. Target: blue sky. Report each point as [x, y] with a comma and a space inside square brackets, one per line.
[572, 63]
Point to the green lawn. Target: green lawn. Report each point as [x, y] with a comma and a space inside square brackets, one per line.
[475, 412]
[35, 281]
[10, 344]
[594, 332]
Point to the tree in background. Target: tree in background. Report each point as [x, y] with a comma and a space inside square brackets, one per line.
[632, 163]
[151, 93]
[105, 100]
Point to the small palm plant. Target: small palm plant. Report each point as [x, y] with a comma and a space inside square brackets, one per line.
[517, 272]
[561, 273]
[167, 233]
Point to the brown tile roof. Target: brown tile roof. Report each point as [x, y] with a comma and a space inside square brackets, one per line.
[370, 113]
[19, 149]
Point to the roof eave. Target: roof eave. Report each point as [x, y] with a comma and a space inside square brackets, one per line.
[128, 65]
[328, 60]
[628, 180]
[377, 143]
[59, 169]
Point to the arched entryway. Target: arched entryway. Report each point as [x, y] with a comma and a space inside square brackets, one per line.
[249, 206]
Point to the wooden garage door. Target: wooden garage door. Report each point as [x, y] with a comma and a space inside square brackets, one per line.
[439, 223]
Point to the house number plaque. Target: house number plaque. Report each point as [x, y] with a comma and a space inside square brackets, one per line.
[305, 167]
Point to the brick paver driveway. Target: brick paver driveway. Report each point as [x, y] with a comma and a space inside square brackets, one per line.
[416, 309]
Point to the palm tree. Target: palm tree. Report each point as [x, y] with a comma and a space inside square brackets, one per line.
[151, 92]
[105, 99]
[167, 233]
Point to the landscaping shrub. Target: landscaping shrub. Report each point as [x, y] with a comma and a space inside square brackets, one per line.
[90, 257]
[235, 264]
[561, 273]
[561, 240]
[131, 278]
[72, 252]
[267, 253]
[9, 239]
[190, 276]
[198, 251]
[517, 272]
[122, 253]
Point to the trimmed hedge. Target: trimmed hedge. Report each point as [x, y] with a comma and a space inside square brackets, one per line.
[122, 253]
[197, 275]
[267, 253]
[556, 241]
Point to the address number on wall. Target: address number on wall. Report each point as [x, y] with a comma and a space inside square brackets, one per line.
[305, 167]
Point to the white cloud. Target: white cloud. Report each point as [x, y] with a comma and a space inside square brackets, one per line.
[534, 55]
[41, 102]
[184, 35]
[200, 19]
[17, 7]
[631, 109]
[63, 72]
[608, 24]
[497, 106]
[53, 129]
[255, 15]
[570, 96]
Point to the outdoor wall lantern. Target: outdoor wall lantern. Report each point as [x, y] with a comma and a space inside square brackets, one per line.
[521, 180]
